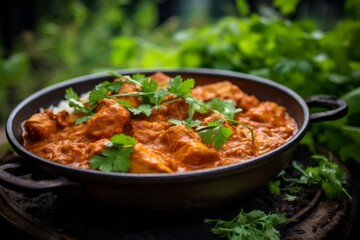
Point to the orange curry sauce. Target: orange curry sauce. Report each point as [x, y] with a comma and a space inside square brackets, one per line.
[161, 146]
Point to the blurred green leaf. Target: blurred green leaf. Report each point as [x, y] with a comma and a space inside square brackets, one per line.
[13, 68]
[79, 12]
[353, 8]
[123, 51]
[286, 6]
[353, 99]
[242, 7]
[146, 15]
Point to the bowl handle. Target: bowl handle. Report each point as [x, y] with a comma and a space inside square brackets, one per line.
[338, 108]
[8, 178]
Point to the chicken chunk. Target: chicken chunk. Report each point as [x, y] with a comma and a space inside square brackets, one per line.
[161, 78]
[270, 118]
[97, 147]
[172, 110]
[196, 154]
[108, 121]
[239, 147]
[147, 132]
[227, 91]
[65, 119]
[39, 126]
[144, 160]
[187, 147]
[267, 112]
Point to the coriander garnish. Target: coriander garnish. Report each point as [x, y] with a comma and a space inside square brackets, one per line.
[116, 156]
[254, 225]
[327, 174]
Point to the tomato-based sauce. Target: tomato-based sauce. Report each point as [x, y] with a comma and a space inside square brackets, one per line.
[161, 146]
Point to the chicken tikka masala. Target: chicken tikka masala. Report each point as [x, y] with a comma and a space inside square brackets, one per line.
[158, 124]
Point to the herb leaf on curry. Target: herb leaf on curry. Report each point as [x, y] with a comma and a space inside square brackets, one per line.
[179, 87]
[116, 156]
[215, 133]
[223, 107]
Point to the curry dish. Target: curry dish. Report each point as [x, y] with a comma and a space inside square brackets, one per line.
[162, 142]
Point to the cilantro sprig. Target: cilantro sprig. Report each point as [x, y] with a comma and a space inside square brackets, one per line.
[152, 96]
[116, 156]
[327, 174]
[214, 133]
[74, 101]
[252, 225]
[290, 190]
[86, 107]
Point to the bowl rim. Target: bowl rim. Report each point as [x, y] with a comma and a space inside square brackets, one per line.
[209, 172]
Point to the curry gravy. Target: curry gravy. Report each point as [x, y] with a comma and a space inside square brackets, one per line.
[161, 147]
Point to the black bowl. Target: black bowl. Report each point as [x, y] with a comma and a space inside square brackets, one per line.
[201, 188]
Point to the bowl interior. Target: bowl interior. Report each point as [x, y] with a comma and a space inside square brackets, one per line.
[262, 88]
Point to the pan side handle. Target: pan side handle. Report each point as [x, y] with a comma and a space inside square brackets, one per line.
[10, 179]
[338, 108]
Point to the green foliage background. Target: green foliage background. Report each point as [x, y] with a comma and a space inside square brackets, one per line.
[120, 34]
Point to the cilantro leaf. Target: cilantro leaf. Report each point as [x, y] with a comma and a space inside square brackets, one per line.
[215, 133]
[83, 119]
[115, 75]
[274, 187]
[179, 87]
[74, 101]
[290, 198]
[143, 108]
[139, 77]
[149, 85]
[135, 79]
[221, 136]
[78, 106]
[223, 107]
[189, 124]
[122, 163]
[176, 122]
[97, 95]
[159, 96]
[116, 156]
[113, 86]
[123, 140]
[103, 162]
[195, 105]
[124, 103]
[70, 93]
[252, 225]
[327, 175]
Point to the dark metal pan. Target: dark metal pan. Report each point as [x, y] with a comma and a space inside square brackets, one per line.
[202, 188]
